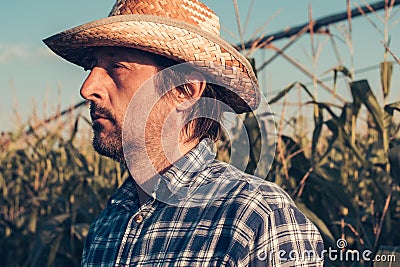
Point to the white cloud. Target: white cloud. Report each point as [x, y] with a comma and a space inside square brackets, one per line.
[45, 52]
[11, 51]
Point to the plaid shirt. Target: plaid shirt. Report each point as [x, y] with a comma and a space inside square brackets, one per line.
[243, 221]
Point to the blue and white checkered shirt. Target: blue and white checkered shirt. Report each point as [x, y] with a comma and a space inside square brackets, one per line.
[242, 221]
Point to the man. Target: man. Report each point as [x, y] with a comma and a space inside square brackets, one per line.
[180, 206]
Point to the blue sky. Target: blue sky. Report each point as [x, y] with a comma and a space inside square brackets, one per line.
[30, 73]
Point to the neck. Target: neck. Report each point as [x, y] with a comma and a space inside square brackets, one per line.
[155, 160]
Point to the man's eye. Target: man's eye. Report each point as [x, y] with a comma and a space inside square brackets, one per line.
[119, 65]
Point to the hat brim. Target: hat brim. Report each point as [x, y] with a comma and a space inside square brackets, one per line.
[176, 40]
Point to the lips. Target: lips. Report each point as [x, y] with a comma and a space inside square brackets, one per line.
[96, 116]
[97, 123]
[98, 112]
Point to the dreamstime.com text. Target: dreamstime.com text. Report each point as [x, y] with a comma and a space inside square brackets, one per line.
[338, 254]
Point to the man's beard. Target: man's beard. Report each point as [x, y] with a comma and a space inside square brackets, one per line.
[109, 145]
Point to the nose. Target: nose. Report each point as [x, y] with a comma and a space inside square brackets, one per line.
[94, 87]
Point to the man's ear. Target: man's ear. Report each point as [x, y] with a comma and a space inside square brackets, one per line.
[192, 92]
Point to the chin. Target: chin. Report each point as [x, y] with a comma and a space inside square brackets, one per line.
[109, 151]
[109, 146]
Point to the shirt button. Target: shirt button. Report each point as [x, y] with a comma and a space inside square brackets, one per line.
[138, 218]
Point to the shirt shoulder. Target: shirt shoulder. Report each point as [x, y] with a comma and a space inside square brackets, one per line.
[275, 226]
[252, 188]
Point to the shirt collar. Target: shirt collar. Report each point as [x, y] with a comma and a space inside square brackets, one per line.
[126, 195]
[178, 182]
[184, 172]
[182, 180]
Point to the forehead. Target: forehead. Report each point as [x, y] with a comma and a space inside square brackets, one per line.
[123, 54]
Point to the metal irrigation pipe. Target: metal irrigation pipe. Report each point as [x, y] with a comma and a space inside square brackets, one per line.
[319, 23]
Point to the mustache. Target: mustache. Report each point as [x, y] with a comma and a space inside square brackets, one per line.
[101, 111]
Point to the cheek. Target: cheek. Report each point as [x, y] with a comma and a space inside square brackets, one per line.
[118, 109]
[163, 116]
[138, 102]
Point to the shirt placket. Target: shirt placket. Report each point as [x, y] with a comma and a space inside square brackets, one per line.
[133, 231]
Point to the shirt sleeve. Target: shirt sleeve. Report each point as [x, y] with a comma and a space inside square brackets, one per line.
[287, 238]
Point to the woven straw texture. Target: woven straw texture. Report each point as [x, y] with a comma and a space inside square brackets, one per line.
[194, 12]
[183, 30]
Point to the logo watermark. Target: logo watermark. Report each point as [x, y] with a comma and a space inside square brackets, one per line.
[146, 122]
[340, 253]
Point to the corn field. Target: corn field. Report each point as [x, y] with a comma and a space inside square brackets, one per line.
[52, 187]
[53, 184]
[342, 177]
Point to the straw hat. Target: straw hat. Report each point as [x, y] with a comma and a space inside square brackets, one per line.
[182, 30]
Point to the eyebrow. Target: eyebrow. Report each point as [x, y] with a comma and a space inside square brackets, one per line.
[106, 53]
[94, 59]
